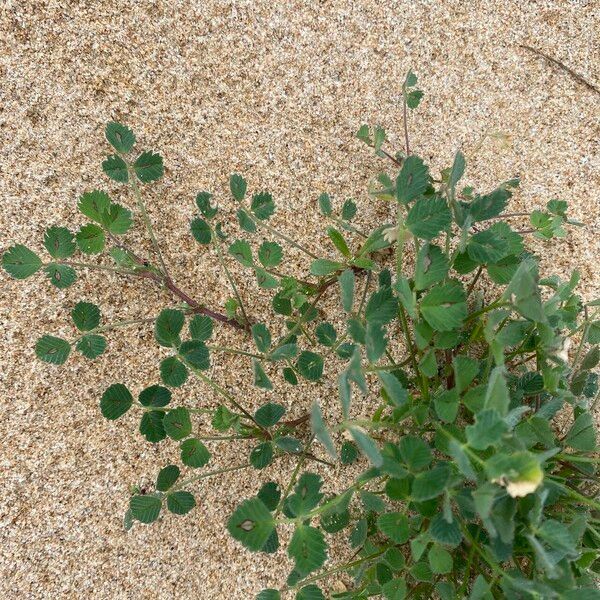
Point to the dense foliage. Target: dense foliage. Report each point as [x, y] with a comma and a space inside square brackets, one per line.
[478, 459]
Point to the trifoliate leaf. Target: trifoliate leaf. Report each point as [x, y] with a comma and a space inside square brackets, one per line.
[173, 372]
[115, 401]
[237, 185]
[177, 423]
[154, 396]
[307, 494]
[251, 524]
[269, 414]
[145, 508]
[201, 231]
[195, 354]
[382, 307]
[86, 316]
[415, 452]
[262, 206]
[261, 336]
[394, 525]
[194, 453]
[262, 455]
[346, 281]
[180, 503]
[167, 477]
[487, 247]
[326, 334]
[242, 252]
[430, 484]
[20, 262]
[223, 418]
[444, 307]
[201, 327]
[270, 254]
[265, 280]
[120, 137]
[90, 239]
[444, 532]
[52, 349]
[308, 549]
[412, 181]
[168, 326]
[116, 168]
[94, 204]
[428, 217]
[91, 345]
[323, 266]
[59, 242]
[151, 426]
[310, 365]
[270, 494]
[431, 267]
[320, 430]
[148, 167]
[61, 276]
[490, 205]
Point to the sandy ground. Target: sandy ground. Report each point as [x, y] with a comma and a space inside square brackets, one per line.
[274, 91]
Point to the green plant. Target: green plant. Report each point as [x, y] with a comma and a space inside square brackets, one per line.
[478, 477]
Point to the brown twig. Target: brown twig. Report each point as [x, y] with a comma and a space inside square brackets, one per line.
[560, 65]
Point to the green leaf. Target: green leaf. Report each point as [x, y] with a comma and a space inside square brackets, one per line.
[261, 336]
[195, 354]
[428, 217]
[431, 267]
[154, 396]
[245, 221]
[270, 494]
[269, 414]
[415, 452]
[338, 241]
[307, 494]
[90, 239]
[52, 349]
[457, 170]
[310, 365]
[310, 592]
[262, 206]
[86, 316]
[445, 532]
[151, 426]
[465, 371]
[394, 589]
[269, 594]
[319, 428]
[487, 247]
[168, 326]
[348, 453]
[20, 262]
[59, 242]
[407, 297]
[308, 549]
[117, 219]
[173, 372]
[116, 168]
[223, 418]
[487, 431]
[440, 560]
[394, 525]
[582, 435]
[261, 379]
[381, 307]
[289, 444]
[204, 206]
[490, 205]
[325, 204]
[367, 446]
[346, 281]
[201, 327]
[237, 185]
[497, 395]
[91, 346]
[412, 180]
[393, 388]
[265, 280]
[177, 423]
[94, 204]
[430, 484]
[167, 477]
[242, 252]
[180, 503]
[444, 307]
[251, 524]
[61, 276]
[524, 291]
[201, 231]
[413, 99]
[326, 334]
[323, 266]
[270, 254]
[145, 508]
[194, 453]
[446, 405]
[148, 167]
[262, 455]
[120, 137]
[348, 210]
[115, 401]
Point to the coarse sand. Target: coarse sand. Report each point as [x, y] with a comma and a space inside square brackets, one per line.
[275, 91]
